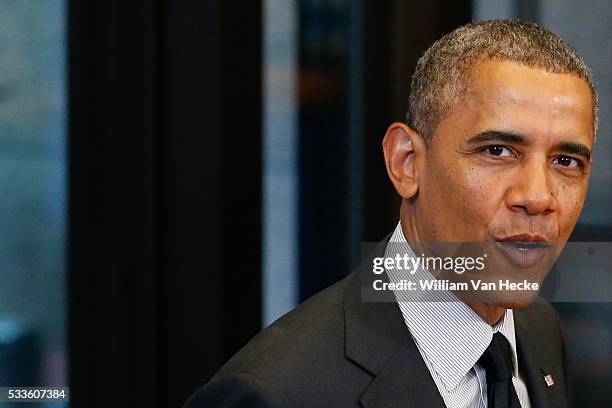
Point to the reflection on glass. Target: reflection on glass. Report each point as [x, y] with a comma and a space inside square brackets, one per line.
[33, 184]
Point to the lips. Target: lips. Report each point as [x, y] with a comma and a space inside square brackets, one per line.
[524, 250]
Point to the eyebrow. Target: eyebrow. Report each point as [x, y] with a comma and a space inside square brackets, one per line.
[514, 138]
[497, 136]
[575, 148]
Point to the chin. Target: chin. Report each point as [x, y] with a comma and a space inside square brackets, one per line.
[516, 301]
[518, 305]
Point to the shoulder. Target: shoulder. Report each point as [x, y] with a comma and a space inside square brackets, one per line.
[541, 318]
[315, 325]
[303, 350]
[240, 389]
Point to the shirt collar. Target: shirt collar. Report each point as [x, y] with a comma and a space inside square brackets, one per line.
[450, 335]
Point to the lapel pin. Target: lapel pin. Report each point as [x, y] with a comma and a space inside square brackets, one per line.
[549, 380]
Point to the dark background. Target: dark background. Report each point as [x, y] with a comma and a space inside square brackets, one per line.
[165, 183]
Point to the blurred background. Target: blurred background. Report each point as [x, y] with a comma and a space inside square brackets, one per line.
[178, 174]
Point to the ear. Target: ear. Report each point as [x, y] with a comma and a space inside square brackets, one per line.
[404, 151]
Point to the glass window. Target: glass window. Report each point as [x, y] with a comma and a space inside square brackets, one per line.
[587, 325]
[33, 185]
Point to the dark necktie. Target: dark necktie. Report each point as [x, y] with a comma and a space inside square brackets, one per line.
[497, 361]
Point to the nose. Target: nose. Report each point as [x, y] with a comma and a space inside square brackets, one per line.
[532, 191]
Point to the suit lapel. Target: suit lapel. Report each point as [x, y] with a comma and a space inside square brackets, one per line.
[377, 339]
[534, 365]
[404, 382]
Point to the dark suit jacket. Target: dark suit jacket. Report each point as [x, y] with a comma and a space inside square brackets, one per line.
[337, 351]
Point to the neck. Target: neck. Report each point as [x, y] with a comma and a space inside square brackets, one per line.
[488, 312]
[491, 314]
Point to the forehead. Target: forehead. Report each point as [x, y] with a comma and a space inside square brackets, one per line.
[527, 100]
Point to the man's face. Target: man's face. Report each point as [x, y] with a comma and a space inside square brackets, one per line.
[511, 161]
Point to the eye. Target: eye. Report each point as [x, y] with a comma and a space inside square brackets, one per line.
[567, 161]
[498, 150]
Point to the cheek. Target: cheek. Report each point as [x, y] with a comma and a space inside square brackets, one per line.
[571, 200]
[482, 188]
[460, 200]
[480, 194]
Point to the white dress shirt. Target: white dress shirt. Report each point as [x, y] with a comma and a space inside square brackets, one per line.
[451, 337]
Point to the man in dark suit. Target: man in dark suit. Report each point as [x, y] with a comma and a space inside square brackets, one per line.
[497, 149]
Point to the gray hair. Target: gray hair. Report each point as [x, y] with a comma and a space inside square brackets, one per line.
[441, 74]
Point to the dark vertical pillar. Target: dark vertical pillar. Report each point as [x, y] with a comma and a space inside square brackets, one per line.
[165, 192]
[397, 32]
[114, 215]
[380, 202]
[324, 185]
[211, 150]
